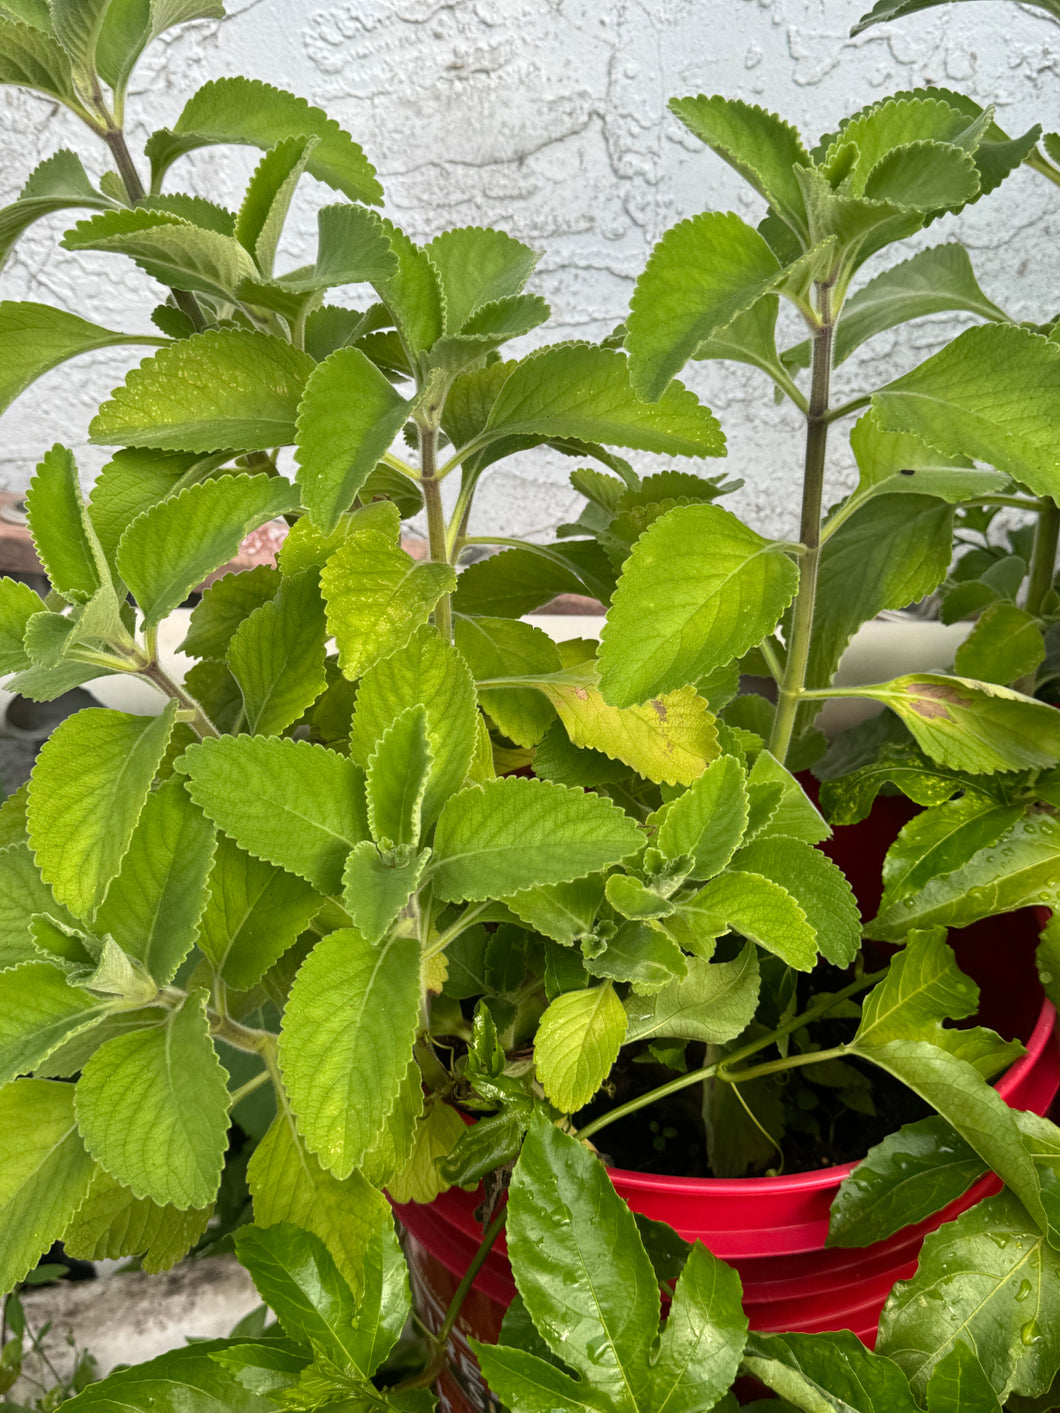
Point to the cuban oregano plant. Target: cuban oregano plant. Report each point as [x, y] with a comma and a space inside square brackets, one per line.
[311, 882]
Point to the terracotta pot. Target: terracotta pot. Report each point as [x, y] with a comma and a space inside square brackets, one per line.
[771, 1229]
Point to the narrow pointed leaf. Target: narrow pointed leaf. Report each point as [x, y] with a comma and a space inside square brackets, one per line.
[941, 840]
[347, 1036]
[704, 1336]
[133, 1113]
[64, 540]
[45, 1172]
[512, 834]
[187, 1380]
[243, 110]
[248, 386]
[170, 548]
[698, 590]
[290, 803]
[88, 788]
[268, 199]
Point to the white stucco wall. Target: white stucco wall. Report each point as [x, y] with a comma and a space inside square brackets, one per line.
[548, 117]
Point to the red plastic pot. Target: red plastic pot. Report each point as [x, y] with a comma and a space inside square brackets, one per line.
[771, 1229]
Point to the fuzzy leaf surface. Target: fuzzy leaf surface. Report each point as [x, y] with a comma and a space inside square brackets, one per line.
[277, 656]
[506, 647]
[152, 907]
[134, 1115]
[761, 910]
[44, 1171]
[112, 1223]
[698, 590]
[577, 390]
[511, 834]
[714, 1003]
[34, 338]
[818, 886]
[397, 777]
[247, 386]
[708, 821]
[247, 111]
[348, 417]
[347, 1035]
[375, 887]
[290, 803]
[578, 1040]
[88, 788]
[62, 536]
[39, 1010]
[22, 894]
[31, 58]
[990, 394]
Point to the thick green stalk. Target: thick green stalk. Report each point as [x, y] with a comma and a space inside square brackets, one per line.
[436, 530]
[1042, 569]
[809, 532]
[199, 722]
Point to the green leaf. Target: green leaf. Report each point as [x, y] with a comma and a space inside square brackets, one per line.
[242, 110]
[704, 1336]
[714, 1003]
[674, 617]
[22, 894]
[289, 1185]
[170, 548]
[708, 820]
[88, 788]
[223, 607]
[111, 1223]
[34, 338]
[759, 145]
[477, 267]
[132, 482]
[511, 834]
[818, 886]
[347, 420]
[1017, 871]
[248, 386]
[958, 1381]
[185, 1380]
[669, 739]
[941, 840]
[397, 777]
[891, 552]
[913, 1173]
[973, 726]
[412, 293]
[897, 463]
[829, 1373]
[760, 910]
[56, 184]
[253, 912]
[63, 537]
[997, 1280]
[704, 272]
[377, 596]
[579, 390]
[505, 647]
[31, 58]
[39, 1011]
[134, 1115]
[290, 803]
[128, 29]
[1004, 645]
[44, 1172]
[431, 673]
[259, 224]
[990, 394]
[562, 911]
[517, 581]
[18, 604]
[152, 908]
[885, 10]
[347, 1035]
[277, 656]
[934, 281]
[173, 251]
[590, 1288]
[377, 885]
[578, 1040]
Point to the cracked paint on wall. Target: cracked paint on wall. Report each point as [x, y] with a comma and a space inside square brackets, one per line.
[548, 118]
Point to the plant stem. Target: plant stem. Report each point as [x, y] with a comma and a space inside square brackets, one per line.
[437, 1364]
[1043, 556]
[238, 1095]
[809, 531]
[790, 1062]
[198, 720]
[243, 1037]
[436, 532]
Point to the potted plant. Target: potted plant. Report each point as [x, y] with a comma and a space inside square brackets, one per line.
[315, 882]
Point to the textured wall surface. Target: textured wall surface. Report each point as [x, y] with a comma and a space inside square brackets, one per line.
[548, 117]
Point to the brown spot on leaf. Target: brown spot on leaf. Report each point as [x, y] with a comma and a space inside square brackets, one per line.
[659, 708]
[581, 694]
[930, 698]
